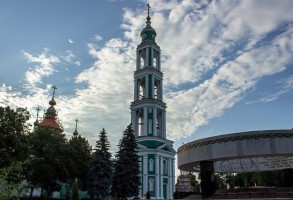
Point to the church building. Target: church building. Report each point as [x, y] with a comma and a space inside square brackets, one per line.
[50, 117]
[148, 117]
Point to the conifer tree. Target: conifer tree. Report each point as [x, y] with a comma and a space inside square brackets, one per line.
[100, 174]
[126, 179]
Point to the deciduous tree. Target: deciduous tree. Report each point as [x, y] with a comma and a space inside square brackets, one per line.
[48, 148]
[13, 135]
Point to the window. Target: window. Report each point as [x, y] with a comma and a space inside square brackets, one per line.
[156, 91]
[140, 125]
[151, 185]
[165, 168]
[151, 165]
[155, 59]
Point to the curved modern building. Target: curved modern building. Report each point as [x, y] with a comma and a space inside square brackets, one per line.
[265, 150]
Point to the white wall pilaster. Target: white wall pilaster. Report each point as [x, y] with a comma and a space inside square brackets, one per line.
[147, 57]
[146, 86]
[158, 186]
[133, 122]
[145, 121]
[136, 97]
[164, 124]
[145, 174]
[155, 121]
[170, 180]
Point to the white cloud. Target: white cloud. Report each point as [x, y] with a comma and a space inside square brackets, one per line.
[98, 37]
[285, 86]
[104, 102]
[71, 58]
[43, 68]
[71, 41]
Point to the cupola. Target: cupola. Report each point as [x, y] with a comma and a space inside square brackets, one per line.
[148, 33]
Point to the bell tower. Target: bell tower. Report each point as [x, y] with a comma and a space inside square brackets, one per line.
[148, 117]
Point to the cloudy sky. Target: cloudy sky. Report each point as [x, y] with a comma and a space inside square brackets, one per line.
[228, 65]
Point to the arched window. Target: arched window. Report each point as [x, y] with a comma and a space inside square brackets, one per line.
[140, 125]
[151, 165]
[159, 124]
[142, 59]
[141, 62]
[156, 91]
[141, 89]
[165, 167]
[155, 59]
[151, 185]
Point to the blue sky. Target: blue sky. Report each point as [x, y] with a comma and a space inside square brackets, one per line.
[227, 64]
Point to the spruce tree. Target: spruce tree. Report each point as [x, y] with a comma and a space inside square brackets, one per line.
[100, 174]
[126, 179]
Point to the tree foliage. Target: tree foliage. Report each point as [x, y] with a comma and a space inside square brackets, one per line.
[194, 182]
[100, 174]
[13, 135]
[11, 180]
[48, 148]
[78, 159]
[126, 179]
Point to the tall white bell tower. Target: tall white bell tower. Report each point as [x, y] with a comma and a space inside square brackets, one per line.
[148, 117]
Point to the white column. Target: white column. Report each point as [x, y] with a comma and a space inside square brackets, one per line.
[162, 183]
[147, 57]
[145, 121]
[153, 86]
[155, 121]
[159, 60]
[135, 90]
[164, 124]
[147, 86]
[137, 61]
[141, 175]
[161, 90]
[158, 185]
[170, 179]
[173, 175]
[134, 122]
[145, 174]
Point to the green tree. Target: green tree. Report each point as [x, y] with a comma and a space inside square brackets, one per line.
[79, 157]
[13, 135]
[11, 178]
[126, 179]
[48, 148]
[194, 182]
[100, 174]
[268, 178]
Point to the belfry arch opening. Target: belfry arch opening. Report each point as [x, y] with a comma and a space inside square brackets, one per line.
[142, 59]
[159, 124]
[155, 59]
[140, 125]
[141, 89]
[157, 89]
